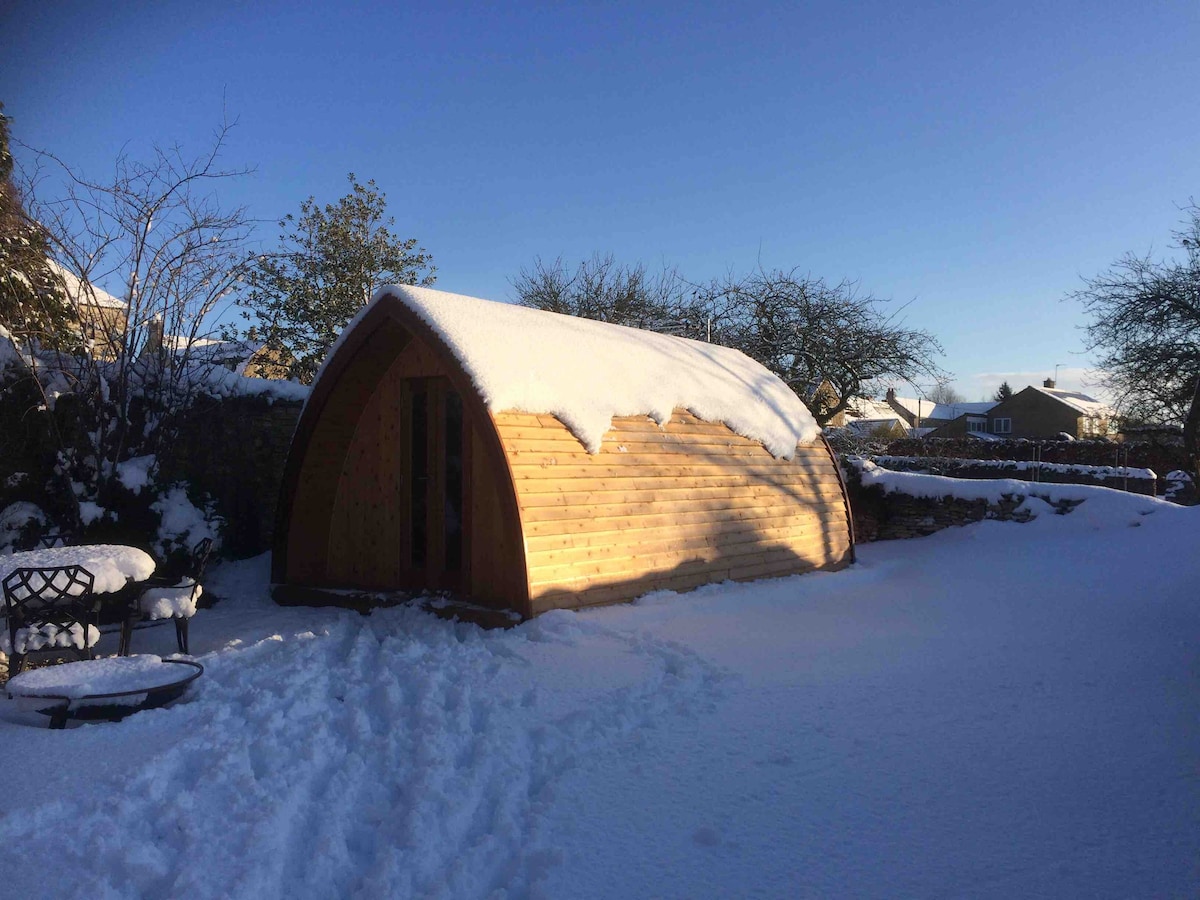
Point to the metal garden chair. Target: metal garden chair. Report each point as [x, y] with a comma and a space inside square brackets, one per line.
[173, 598]
[52, 610]
[52, 539]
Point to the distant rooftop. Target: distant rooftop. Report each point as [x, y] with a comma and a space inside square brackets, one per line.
[77, 293]
[927, 409]
[1082, 403]
[864, 408]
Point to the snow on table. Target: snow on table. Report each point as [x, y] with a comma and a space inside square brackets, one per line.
[116, 675]
[111, 565]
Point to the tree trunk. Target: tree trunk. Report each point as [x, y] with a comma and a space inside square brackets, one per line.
[1191, 432]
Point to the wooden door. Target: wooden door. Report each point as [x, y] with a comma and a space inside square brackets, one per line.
[434, 551]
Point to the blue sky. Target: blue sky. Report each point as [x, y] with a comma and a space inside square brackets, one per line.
[973, 158]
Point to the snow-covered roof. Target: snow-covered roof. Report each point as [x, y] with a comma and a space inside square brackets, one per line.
[864, 408]
[210, 349]
[868, 427]
[926, 409]
[76, 293]
[1079, 402]
[586, 372]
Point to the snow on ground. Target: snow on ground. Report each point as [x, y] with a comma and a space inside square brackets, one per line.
[1000, 710]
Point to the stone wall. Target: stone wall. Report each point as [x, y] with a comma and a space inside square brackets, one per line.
[880, 516]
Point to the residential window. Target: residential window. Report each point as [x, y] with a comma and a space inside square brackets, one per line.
[977, 425]
[1002, 426]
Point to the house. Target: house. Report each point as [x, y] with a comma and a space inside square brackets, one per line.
[967, 425]
[526, 460]
[104, 323]
[100, 315]
[1046, 412]
[919, 413]
[873, 418]
[250, 357]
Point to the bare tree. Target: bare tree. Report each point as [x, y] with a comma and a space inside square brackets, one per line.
[157, 230]
[1145, 332]
[944, 392]
[829, 343]
[602, 289]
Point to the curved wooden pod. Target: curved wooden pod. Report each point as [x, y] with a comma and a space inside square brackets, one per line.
[544, 523]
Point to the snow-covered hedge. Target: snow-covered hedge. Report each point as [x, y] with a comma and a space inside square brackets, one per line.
[1140, 480]
[889, 504]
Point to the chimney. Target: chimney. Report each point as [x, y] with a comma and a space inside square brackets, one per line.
[154, 337]
[1048, 383]
[891, 395]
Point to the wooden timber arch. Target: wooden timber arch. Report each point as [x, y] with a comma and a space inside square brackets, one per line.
[401, 478]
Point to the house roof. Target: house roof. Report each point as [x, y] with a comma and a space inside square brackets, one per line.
[76, 293]
[202, 349]
[866, 426]
[864, 408]
[586, 372]
[948, 411]
[1081, 403]
[864, 415]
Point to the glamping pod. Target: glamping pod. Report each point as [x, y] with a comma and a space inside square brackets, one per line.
[525, 460]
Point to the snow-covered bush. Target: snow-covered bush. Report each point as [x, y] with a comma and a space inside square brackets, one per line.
[853, 442]
[20, 523]
[182, 524]
[1180, 488]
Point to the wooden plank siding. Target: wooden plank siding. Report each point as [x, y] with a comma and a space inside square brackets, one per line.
[672, 507]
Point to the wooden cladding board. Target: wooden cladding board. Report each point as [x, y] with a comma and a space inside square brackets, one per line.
[672, 507]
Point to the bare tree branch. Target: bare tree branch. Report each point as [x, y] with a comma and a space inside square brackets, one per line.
[157, 229]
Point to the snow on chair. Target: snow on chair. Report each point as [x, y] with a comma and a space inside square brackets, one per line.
[50, 610]
[169, 598]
